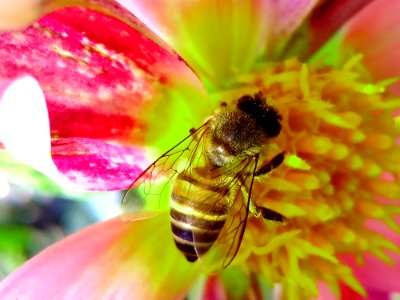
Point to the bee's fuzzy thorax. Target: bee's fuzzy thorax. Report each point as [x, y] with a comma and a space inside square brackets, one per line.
[237, 132]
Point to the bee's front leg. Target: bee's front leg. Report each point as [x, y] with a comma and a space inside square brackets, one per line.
[259, 211]
[275, 162]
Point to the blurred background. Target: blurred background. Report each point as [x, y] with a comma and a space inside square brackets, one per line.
[35, 212]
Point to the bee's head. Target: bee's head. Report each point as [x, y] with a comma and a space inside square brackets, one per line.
[242, 130]
[235, 135]
[266, 116]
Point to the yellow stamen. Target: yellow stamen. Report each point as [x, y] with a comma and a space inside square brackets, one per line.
[339, 135]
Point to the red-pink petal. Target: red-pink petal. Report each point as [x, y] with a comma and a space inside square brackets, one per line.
[95, 165]
[109, 260]
[101, 71]
[105, 76]
[375, 31]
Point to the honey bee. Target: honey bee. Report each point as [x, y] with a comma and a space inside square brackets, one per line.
[210, 175]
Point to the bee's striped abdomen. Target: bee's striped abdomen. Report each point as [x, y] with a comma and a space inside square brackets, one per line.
[198, 213]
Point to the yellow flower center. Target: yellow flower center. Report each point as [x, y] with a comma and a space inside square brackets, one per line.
[339, 134]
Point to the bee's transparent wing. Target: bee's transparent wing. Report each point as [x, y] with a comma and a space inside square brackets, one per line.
[152, 189]
[230, 237]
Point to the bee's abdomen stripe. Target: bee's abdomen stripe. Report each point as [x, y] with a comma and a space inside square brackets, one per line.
[200, 236]
[190, 250]
[203, 185]
[203, 208]
[197, 221]
[198, 213]
[188, 226]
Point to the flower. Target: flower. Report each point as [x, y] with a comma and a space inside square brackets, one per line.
[339, 133]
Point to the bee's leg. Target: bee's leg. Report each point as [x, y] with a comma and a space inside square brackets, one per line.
[254, 209]
[271, 215]
[252, 206]
[275, 162]
[266, 213]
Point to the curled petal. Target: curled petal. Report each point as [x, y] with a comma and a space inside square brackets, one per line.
[109, 260]
[24, 125]
[380, 43]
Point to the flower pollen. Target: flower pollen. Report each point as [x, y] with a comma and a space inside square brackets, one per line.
[339, 135]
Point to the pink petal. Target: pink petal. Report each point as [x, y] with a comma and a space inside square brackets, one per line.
[375, 31]
[324, 292]
[109, 260]
[376, 275]
[95, 165]
[213, 289]
[100, 74]
[329, 17]
[288, 16]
